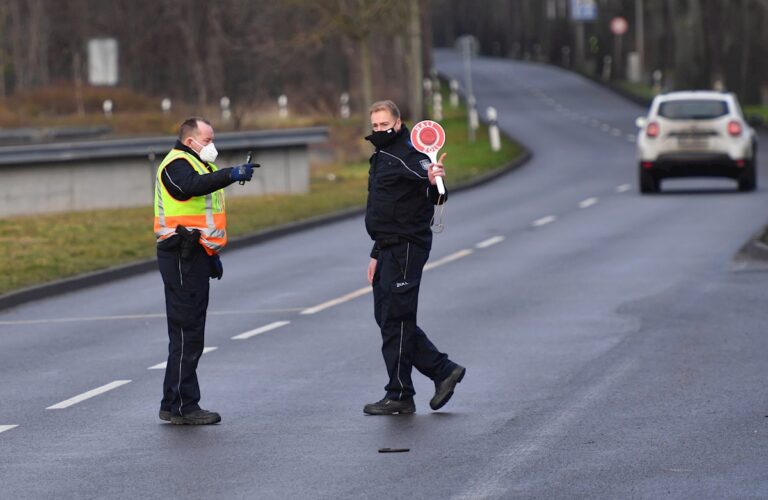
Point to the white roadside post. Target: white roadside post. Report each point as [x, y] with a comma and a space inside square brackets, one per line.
[474, 121]
[493, 129]
[437, 106]
[607, 63]
[344, 101]
[165, 106]
[436, 87]
[658, 76]
[282, 104]
[226, 113]
[108, 106]
[454, 93]
[427, 84]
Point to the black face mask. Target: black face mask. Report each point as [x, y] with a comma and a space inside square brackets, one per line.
[382, 138]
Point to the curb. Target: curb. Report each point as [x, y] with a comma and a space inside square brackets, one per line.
[753, 255]
[66, 285]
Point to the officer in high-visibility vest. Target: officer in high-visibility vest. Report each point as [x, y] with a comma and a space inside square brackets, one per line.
[191, 229]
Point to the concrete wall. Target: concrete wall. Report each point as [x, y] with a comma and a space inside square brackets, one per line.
[83, 184]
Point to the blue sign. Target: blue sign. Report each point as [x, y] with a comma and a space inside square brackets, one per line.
[584, 10]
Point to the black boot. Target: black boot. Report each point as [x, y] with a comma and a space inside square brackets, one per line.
[165, 415]
[197, 417]
[444, 388]
[390, 407]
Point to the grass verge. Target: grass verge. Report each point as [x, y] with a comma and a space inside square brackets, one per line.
[45, 248]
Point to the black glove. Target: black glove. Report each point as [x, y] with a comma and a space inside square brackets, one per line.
[243, 172]
[217, 268]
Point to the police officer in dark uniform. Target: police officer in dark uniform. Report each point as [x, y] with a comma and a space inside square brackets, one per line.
[190, 226]
[401, 199]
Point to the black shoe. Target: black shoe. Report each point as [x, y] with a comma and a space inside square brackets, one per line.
[389, 407]
[165, 415]
[197, 417]
[444, 388]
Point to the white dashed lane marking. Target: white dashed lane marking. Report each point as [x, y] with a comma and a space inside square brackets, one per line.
[161, 366]
[334, 302]
[623, 188]
[364, 291]
[490, 242]
[588, 203]
[258, 331]
[88, 395]
[544, 221]
[4, 428]
[450, 258]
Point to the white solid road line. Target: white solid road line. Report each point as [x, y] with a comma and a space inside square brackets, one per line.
[588, 203]
[143, 316]
[544, 221]
[263, 329]
[88, 395]
[345, 298]
[490, 242]
[4, 428]
[161, 366]
[623, 188]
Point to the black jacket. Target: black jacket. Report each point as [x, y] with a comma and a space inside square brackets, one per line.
[183, 182]
[400, 198]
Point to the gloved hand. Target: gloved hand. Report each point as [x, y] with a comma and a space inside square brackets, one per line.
[217, 268]
[243, 172]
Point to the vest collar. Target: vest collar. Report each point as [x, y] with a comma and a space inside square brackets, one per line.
[181, 147]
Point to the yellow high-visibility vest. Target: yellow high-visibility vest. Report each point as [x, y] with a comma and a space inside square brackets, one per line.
[204, 213]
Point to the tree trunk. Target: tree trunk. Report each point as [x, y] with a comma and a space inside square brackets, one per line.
[366, 81]
[415, 63]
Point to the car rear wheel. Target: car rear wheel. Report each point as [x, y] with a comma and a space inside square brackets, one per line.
[748, 179]
[648, 182]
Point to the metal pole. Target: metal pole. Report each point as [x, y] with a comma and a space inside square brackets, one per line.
[468, 66]
[640, 36]
[471, 103]
[580, 46]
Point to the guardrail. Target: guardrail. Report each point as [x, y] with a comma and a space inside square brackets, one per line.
[120, 173]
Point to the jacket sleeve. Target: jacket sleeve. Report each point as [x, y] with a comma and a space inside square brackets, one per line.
[183, 182]
[435, 197]
[375, 251]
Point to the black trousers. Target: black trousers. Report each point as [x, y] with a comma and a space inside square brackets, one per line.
[186, 302]
[396, 298]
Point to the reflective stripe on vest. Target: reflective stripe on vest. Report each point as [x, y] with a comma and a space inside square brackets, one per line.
[205, 213]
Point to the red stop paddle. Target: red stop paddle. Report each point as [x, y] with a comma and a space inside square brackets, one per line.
[428, 137]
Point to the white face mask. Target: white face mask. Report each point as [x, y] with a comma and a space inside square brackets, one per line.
[207, 153]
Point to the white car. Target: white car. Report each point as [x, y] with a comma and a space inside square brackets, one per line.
[695, 134]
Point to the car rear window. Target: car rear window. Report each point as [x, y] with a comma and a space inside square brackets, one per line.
[693, 109]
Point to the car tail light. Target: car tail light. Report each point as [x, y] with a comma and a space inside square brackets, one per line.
[647, 164]
[734, 128]
[740, 163]
[652, 130]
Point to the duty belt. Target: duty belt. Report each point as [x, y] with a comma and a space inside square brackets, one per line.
[389, 242]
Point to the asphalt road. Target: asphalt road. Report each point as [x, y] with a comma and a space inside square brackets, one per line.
[613, 349]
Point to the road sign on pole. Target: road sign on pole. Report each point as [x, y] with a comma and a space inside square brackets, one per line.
[619, 26]
[583, 10]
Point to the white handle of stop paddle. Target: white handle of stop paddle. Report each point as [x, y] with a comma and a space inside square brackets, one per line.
[438, 180]
[440, 185]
